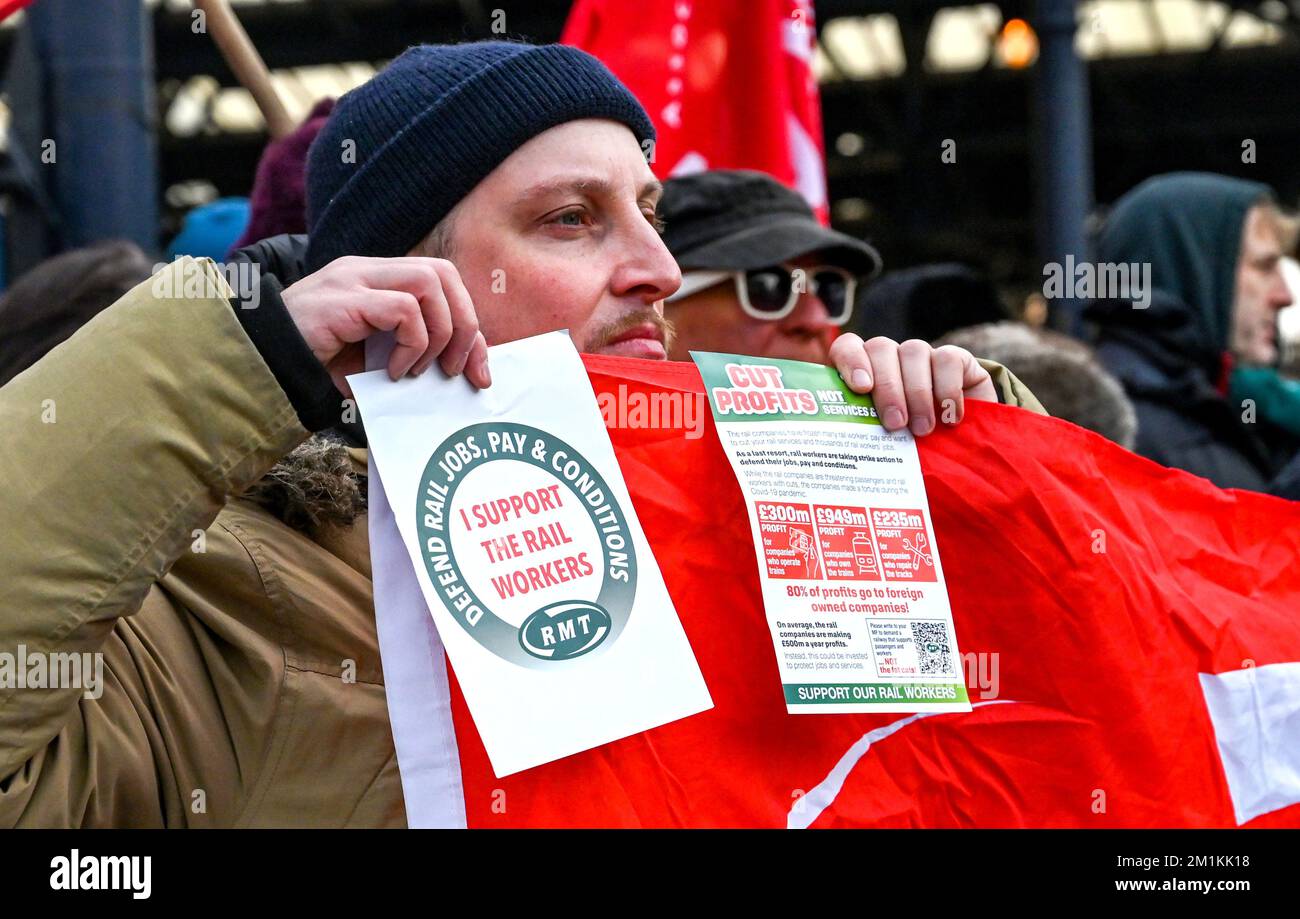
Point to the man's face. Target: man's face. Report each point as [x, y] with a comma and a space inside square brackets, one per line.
[562, 235]
[713, 320]
[1261, 292]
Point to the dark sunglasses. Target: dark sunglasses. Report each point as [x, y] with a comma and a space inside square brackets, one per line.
[772, 292]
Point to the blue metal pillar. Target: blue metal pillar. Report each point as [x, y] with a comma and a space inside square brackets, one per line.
[99, 58]
[1063, 117]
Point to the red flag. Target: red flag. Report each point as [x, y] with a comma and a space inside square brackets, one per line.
[728, 83]
[1131, 635]
[9, 7]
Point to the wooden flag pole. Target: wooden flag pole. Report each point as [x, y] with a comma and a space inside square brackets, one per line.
[238, 50]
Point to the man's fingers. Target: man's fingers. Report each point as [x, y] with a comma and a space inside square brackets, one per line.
[887, 389]
[436, 318]
[377, 310]
[850, 358]
[418, 278]
[976, 382]
[476, 366]
[455, 355]
[447, 309]
[387, 310]
[413, 275]
[948, 370]
[918, 386]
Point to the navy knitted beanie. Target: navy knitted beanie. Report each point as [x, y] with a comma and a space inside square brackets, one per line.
[400, 151]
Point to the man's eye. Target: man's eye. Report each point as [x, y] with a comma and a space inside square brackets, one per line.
[570, 219]
[656, 221]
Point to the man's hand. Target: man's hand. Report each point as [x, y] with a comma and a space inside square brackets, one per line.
[421, 300]
[912, 382]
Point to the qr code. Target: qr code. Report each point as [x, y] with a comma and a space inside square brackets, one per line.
[931, 640]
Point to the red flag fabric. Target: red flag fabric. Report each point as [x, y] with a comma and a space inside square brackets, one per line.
[1131, 635]
[9, 7]
[728, 83]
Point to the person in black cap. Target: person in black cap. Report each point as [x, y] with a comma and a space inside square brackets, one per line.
[760, 276]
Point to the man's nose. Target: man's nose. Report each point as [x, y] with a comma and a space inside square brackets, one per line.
[810, 314]
[648, 270]
[1280, 294]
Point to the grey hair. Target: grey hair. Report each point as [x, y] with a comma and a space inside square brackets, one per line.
[1063, 373]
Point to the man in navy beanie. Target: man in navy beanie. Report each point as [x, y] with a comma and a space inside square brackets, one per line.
[479, 193]
[214, 553]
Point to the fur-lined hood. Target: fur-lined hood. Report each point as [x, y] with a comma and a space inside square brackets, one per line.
[315, 486]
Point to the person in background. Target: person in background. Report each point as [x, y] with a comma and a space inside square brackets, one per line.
[209, 230]
[49, 303]
[1277, 390]
[1213, 246]
[1062, 372]
[928, 302]
[279, 199]
[1272, 391]
[1288, 322]
[760, 276]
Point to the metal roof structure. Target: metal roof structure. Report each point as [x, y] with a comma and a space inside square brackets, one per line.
[1175, 84]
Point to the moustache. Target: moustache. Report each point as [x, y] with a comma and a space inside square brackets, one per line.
[606, 334]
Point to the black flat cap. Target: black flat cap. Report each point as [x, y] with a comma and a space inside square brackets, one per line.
[737, 219]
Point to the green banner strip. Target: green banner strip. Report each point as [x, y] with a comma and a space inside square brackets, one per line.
[873, 693]
[743, 389]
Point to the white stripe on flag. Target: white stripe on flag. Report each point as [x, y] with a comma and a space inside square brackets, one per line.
[414, 662]
[1256, 718]
[808, 808]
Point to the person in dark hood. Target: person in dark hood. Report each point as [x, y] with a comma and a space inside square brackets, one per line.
[928, 302]
[1213, 247]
